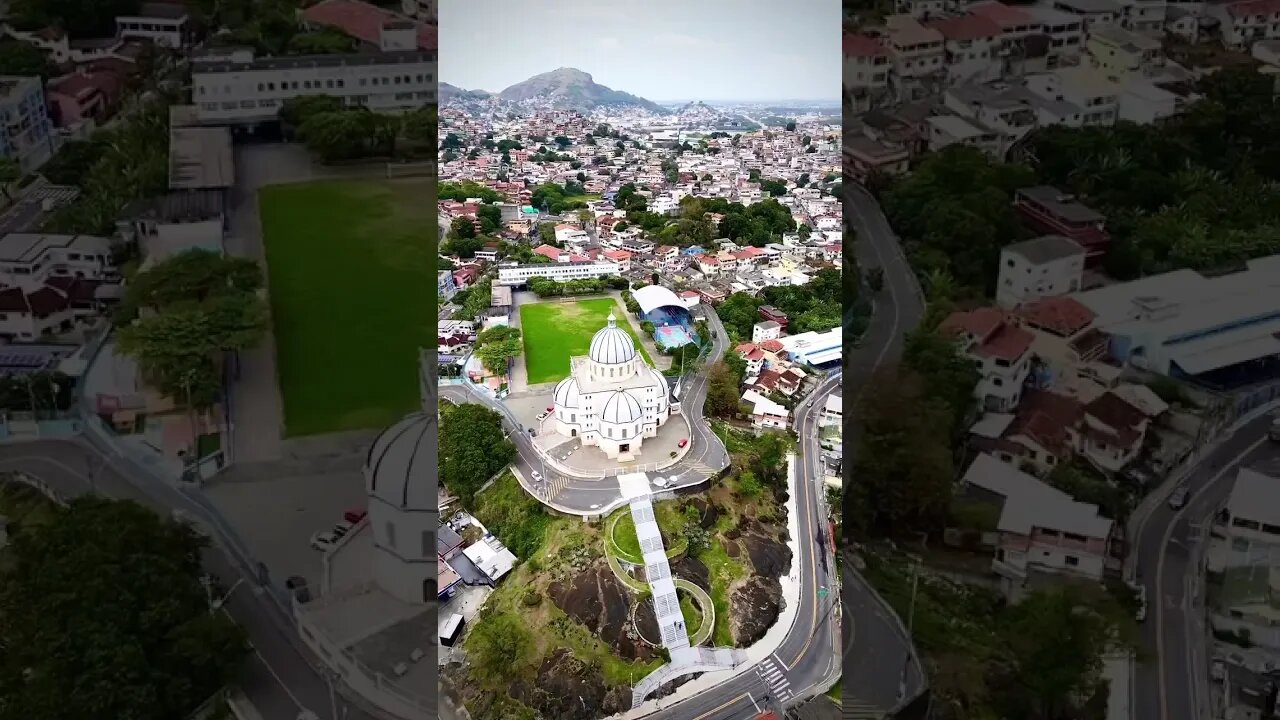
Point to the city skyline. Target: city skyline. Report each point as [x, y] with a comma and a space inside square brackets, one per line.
[745, 50]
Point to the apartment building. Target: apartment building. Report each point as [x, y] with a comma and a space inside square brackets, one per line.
[1119, 52]
[1082, 87]
[1247, 21]
[165, 24]
[1065, 32]
[237, 88]
[1000, 351]
[48, 282]
[1095, 13]
[1001, 107]
[1147, 17]
[918, 53]
[947, 130]
[866, 70]
[1047, 266]
[560, 272]
[27, 134]
[1244, 553]
[1052, 211]
[971, 47]
[1040, 529]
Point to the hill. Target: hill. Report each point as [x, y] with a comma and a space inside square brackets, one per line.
[572, 89]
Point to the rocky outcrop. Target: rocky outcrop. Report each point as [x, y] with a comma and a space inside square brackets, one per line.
[569, 688]
[766, 548]
[693, 570]
[596, 598]
[754, 608]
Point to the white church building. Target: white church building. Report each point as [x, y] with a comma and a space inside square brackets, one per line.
[612, 398]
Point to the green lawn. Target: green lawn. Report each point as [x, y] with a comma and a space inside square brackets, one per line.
[553, 332]
[349, 265]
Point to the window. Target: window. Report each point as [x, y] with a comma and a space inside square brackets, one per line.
[428, 543]
[391, 534]
[1075, 537]
[1071, 560]
[1048, 533]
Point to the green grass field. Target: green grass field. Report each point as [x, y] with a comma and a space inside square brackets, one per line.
[349, 265]
[553, 332]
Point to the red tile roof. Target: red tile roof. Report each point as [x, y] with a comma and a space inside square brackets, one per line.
[548, 251]
[857, 45]
[1045, 417]
[980, 322]
[772, 346]
[1125, 419]
[1253, 7]
[1003, 15]
[1062, 315]
[363, 21]
[749, 351]
[966, 27]
[996, 337]
[618, 255]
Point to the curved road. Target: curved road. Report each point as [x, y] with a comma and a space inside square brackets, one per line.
[878, 656]
[1174, 683]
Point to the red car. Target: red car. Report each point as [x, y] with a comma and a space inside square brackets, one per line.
[683, 442]
[354, 515]
[551, 408]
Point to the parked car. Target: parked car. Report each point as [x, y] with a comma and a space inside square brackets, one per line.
[342, 528]
[354, 515]
[660, 482]
[683, 442]
[543, 416]
[323, 540]
[1179, 498]
[537, 476]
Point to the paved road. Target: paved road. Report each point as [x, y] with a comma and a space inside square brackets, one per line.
[279, 678]
[876, 650]
[809, 654]
[1174, 683]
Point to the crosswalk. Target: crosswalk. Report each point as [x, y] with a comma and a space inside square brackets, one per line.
[771, 672]
[700, 470]
[860, 711]
[554, 485]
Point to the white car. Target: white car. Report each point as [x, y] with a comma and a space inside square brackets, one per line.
[542, 416]
[342, 528]
[537, 476]
[323, 540]
[660, 482]
[1178, 498]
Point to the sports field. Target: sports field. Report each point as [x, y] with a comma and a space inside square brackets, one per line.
[553, 332]
[349, 265]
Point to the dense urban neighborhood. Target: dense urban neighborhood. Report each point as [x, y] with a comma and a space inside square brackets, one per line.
[1058, 474]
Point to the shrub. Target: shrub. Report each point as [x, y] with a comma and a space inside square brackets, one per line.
[531, 598]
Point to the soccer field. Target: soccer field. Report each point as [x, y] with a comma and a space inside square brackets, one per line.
[349, 265]
[553, 332]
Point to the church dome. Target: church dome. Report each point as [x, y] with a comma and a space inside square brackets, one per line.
[621, 408]
[663, 389]
[399, 467]
[566, 394]
[611, 345]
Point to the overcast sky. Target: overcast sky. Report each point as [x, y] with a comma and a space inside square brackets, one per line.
[660, 49]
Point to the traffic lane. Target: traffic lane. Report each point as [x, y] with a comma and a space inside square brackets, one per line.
[872, 675]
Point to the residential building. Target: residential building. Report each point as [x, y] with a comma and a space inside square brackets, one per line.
[27, 134]
[769, 312]
[1083, 87]
[1119, 52]
[1000, 108]
[176, 222]
[1147, 17]
[866, 70]
[515, 274]
[948, 130]
[765, 330]
[49, 282]
[919, 56]
[814, 348]
[1244, 552]
[1095, 13]
[85, 95]
[865, 155]
[765, 413]
[999, 349]
[424, 10]
[971, 47]
[165, 24]
[1040, 529]
[754, 357]
[1245, 22]
[1113, 432]
[667, 258]
[1066, 34]
[1023, 46]
[445, 287]
[237, 88]
[620, 258]
[833, 411]
[1052, 211]
[1073, 353]
[1047, 266]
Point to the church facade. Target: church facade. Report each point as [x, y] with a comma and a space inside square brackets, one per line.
[612, 398]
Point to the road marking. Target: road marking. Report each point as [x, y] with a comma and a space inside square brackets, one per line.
[279, 681]
[726, 704]
[1168, 535]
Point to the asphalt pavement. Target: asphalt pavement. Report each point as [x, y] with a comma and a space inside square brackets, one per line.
[1174, 682]
[280, 678]
[878, 655]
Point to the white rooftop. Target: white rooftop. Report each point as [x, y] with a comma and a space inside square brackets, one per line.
[491, 556]
[1255, 497]
[1030, 503]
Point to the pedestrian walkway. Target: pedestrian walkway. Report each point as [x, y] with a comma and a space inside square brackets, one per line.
[856, 710]
[779, 686]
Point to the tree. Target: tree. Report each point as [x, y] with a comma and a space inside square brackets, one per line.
[496, 346]
[490, 217]
[10, 172]
[462, 227]
[739, 313]
[146, 644]
[473, 448]
[948, 376]
[191, 276]
[791, 126]
[419, 128]
[79, 18]
[20, 58]
[320, 42]
[71, 164]
[722, 391]
[498, 644]
[296, 110]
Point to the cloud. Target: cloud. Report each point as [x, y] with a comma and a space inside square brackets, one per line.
[608, 43]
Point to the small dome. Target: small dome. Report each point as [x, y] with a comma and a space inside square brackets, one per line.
[566, 394]
[400, 462]
[621, 408]
[661, 379]
[611, 345]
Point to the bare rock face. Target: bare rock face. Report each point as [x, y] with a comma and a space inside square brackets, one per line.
[769, 555]
[693, 570]
[567, 687]
[596, 598]
[754, 608]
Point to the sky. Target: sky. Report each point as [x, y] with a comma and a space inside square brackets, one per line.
[711, 50]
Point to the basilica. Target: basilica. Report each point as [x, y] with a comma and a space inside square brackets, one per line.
[612, 398]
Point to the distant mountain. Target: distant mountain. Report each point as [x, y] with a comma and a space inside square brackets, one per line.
[571, 89]
[453, 92]
[697, 110]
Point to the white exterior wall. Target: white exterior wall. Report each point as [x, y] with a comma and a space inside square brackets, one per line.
[559, 272]
[404, 549]
[1022, 282]
[975, 60]
[161, 31]
[1002, 385]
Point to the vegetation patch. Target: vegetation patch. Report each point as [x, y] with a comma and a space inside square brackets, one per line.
[349, 266]
[564, 330]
